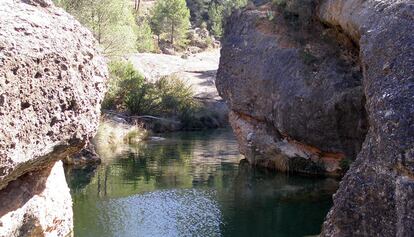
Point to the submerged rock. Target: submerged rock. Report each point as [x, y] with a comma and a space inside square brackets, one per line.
[305, 78]
[51, 86]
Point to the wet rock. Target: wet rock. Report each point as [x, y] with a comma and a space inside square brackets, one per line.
[87, 156]
[302, 72]
[257, 142]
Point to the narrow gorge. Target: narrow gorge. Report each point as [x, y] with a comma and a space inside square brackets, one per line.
[317, 91]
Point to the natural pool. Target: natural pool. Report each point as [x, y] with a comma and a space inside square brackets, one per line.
[191, 184]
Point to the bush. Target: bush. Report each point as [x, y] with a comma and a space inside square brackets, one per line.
[176, 97]
[168, 97]
[124, 79]
[128, 90]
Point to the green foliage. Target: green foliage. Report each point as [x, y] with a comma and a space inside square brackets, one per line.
[123, 79]
[145, 42]
[270, 15]
[281, 3]
[199, 11]
[215, 14]
[111, 22]
[218, 12]
[169, 96]
[128, 90]
[345, 164]
[171, 17]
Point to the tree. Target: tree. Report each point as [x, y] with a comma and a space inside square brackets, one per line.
[219, 11]
[215, 14]
[111, 22]
[172, 17]
[199, 11]
[145, 41]
[137, 5]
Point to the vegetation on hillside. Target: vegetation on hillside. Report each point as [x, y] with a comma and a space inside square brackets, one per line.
[213, 13]
[124, 26]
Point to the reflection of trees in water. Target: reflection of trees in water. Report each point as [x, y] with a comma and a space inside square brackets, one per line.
[183, 160]
[262, 203]
[79, 178]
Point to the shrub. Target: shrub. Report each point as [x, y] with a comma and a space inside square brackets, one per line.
[176, 97]
[128, 90]
[124, 79]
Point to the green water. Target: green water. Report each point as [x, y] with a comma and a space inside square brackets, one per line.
[193, 184]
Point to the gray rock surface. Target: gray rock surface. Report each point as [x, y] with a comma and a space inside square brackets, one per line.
[52, 81]
[376, 196]
[37, 204]
[300, 87]
[305, 70]
[51, 86]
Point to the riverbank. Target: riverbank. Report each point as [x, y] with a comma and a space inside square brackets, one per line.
[197, 71]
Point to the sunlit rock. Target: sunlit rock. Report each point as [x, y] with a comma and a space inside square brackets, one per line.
[52, 81]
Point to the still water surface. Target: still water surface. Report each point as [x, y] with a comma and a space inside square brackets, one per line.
[193, 184]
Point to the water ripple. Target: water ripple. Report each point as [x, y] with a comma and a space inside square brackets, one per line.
[188, 212]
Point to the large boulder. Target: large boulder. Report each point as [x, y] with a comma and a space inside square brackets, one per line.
[52, 81]
[51, 86]
[297, 88]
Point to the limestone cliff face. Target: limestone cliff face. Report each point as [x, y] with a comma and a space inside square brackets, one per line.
[310, 83]
[52, 81]
[376, 195]
[295, 93]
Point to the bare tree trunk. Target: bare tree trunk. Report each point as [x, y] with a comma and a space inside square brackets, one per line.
[172, 33]
[137, 5]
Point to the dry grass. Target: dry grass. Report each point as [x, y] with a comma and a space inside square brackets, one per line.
[114, 138]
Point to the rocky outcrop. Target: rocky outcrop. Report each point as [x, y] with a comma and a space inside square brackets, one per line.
[51, 87]
[311, 76]
[301, 92]
[376, 195]
[37, 204]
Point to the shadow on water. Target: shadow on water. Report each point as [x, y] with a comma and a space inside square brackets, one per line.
[193, 184]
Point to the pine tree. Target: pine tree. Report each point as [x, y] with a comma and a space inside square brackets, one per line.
[171, 17]
[111, 22]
